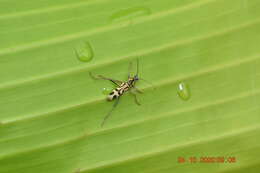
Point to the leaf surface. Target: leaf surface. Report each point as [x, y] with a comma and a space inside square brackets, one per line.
[51, 110]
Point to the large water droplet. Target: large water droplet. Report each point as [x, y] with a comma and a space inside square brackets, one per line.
[129, 13]
[78, 170]
[183, 91]
[84, 52]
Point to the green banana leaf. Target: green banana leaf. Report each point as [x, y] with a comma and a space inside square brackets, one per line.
[201, 114]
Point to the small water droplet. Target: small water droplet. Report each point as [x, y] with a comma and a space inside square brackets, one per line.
[129, 13]
[183, 91]
[107, 90]
[84, 52]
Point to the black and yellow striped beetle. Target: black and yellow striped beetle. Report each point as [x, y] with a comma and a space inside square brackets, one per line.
[122, 87]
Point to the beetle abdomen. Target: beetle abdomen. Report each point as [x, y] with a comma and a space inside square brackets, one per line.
[113, 95]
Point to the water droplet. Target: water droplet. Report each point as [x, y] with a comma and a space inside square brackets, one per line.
[84, 52]
[129, 13]
[183, 91]
[78, 170]
[107, 90]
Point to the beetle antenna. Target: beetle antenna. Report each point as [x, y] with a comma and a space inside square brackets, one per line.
[137, 66]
